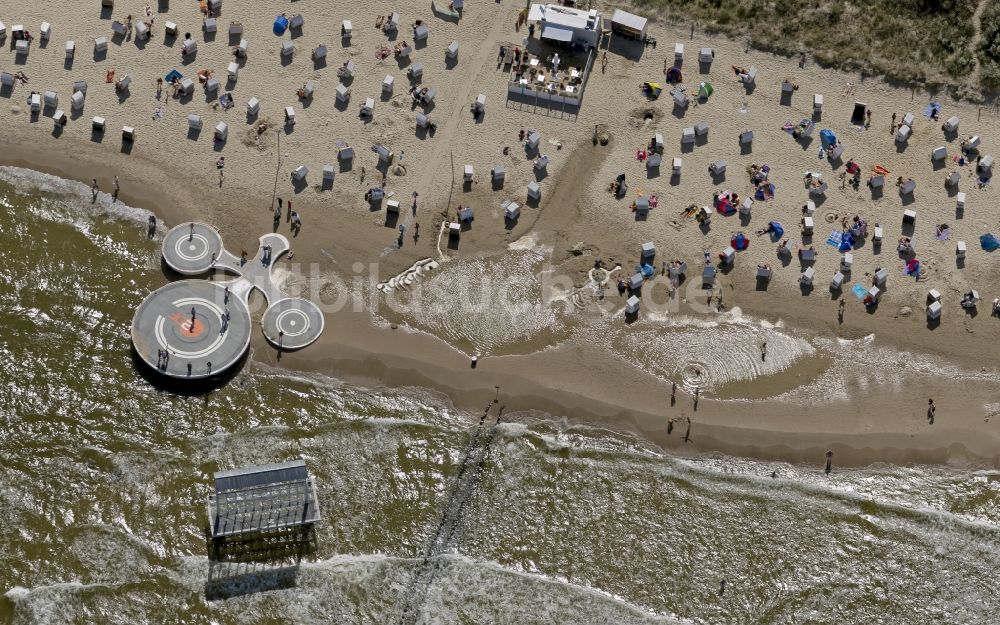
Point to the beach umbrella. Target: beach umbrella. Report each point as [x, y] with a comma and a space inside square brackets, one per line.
[827, 137]
[740, 242]
[280, 25]
[989, 242]
[777, 230]
[704, 90]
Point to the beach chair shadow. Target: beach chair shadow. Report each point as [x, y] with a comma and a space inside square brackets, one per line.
[207, 36]
[106, 12]
[679, 111]
[817, 116]
[234, 39]
[123, 94]
[193, 133]
[391, 219]
[140, 43]
[744, 220]
[286, 60]
[960, 262]
[327, 184]
[118, 39]
[762, 283]
[163, 6]
[68, 63]
[402, 61]
[805, 289]
[295, 33]
[532, 202]
[452, 243]
[319, 63]
[750, 87]
[75, 114]
[938, 164]
[169, 40]
[509, 224]
[299, 185]
[96, 136]
[57, 130]
[541, 174]
[907, 198]
[785, 99]
[21, 59]
[746, 148]
[784, 259]
[687, 148]
[6, 91]
[836, 292]
[705, 227]
[127, 146]
[717, 178]
[704, 67]
[950, 135]
[43, 43]
[901, 146]
[450, 62]
[497, 184]
[346, 165]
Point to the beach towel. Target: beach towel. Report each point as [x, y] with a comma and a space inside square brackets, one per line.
[764, 192]
[846, 242]
[174, 74]
[934, 108]
[944, 235]
[912, 267]
[725, 206]
[989, 242]
[859, 290]
[879, 170]
[836, 236]
[827, 138]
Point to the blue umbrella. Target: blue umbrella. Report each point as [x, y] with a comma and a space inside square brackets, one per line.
[280, 25]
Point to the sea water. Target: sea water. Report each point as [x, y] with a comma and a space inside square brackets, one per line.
[430, 515]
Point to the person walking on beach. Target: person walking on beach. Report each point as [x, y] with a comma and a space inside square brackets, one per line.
[687, 433]
[892, 125]
[114, 196]
[931, 409]
[415, 203]
[277, 217]
[288, 215]
[362, 175]
[95, 189]
[416, 231]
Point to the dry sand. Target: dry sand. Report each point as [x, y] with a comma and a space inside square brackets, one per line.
[174, 174]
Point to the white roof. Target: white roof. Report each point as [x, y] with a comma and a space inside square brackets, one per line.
[556, 15]
[557, 33]
[636, 22]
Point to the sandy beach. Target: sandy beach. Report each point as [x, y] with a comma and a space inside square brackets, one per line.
[576, 364]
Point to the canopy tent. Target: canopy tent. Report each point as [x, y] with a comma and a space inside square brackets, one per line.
[674, 74]
[827, 137]
[704, 90]
[557, 33]
[280, 25]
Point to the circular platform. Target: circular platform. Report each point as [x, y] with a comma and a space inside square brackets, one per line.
[191, 251]
[189, 320]
[292, 323]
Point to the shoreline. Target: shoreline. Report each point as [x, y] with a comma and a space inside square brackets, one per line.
[582, 383]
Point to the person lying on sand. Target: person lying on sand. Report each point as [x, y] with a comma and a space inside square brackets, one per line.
[204, 74]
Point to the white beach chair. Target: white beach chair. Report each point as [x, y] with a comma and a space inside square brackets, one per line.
[319, 53]
[287, 48]
[468, 173]
[368, 108]
[187, 86]
[960, 249]
[717, 168]
[70, 49]
[328, 172]
[128, 133]
[903, 134]
[751, 77]
[141, 31]
[933, 295]
[296, 22]
[807, 276]
[908, 120]
[7, 79]
[194, 122]
[959, 200]
[653, 162]
[907, 187]
[951, 125]
[21, 47]
[701, 129]
[647, 250]
[35, 103]
[420, 32]
[818, 103]
[59, 117]
[241, 50]
[233, 70]
[939, 154]
[541, 163]
[190, 46]
[678, 52]
[706, 55]
[211, 85]
[387, 83]
[342, 93]
[676, 165]
[215, 5]
[170, 29]
[807, 226]
[308, 89]
[985, 166]
[45, 31]
[97, 124]
[422, 120]
[498, 173]
[877, 234]
[300, 173]
[534, 191]
[746, 207]
[235, 28]
[881, 277]
[632, 305]
[511, 210]
[118, 28]
[76, 101]
[221, 131]
[934, 310]
[846, 262]
[687, 135]
[415, 71]
[534, 138]
[746, 137]
[289, 116]
[837, 283]
[51, 99]
[452, 50]
[253, 106]
[346, 29]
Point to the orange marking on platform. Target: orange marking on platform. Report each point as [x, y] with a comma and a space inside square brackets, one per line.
[184, 321]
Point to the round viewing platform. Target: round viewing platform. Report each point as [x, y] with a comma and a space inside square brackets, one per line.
[292, 323]
[192, 249]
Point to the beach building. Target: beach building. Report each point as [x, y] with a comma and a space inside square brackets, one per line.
[565, 25]
[255, 501]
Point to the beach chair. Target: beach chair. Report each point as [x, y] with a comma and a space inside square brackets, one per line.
[51, 99]
[820, 190]
[422, 120]
[934, 310]
[877, 182]
[452, 50]
[299, 173]
[534, 138]
[933, 295]
[59, 117]
[287, 48]
[746, 137]
[128, 134]
[534, 191]
[959, 200]
[881, 277]
[170, 29]
[221, 131]
[939, 153]
[211, 85]
[415, 71]
[751, 76]
[908, 120]
[391, 23]
[296, 22]
[807, 226]
[21, 47]
[123, 84]
[642, 207]
[253, 106]
[511, 210]
[818, 103]
[875, 293]
[465, 215]
[907, 187]
[635, 282]
[717, 168]
[97, 124]
[647, 250]
[118, 28]
[241, 50]
[479, 106]
[701, 129]
[973, 142]
[835, 153]
[346, 29]
[328, 172]
[787, 88]
[657, 143]
[877, 234]
[233, 70]
[368, 108]
[211, 25]
[706, 55]
[289, 116]
[675, 165]
[76, 101]
[387, 83]
[903, 134]
[345, 154]
[70, 49]
[467, 173]
[985, 166]
[654, 161]
[190, 46]
[194, 122]
[708, 274]
[319, 53]
[384, 153]
[45, 31]
[687, 135]
[960, 249]
[35, 103]
[679, 52]
[187, 86]
[953, 179]
[680, 98]
[541, 163]
[837, 283]
[498, 173]
[763, 273]
[308, 89]
[420, 32]
[807, 276]
[342, 93]
[235, 28]
[141, 31]
[746, 206]
[632, 305]
[846, 262]
[7, 79]
[951, 125]
[101, 44]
